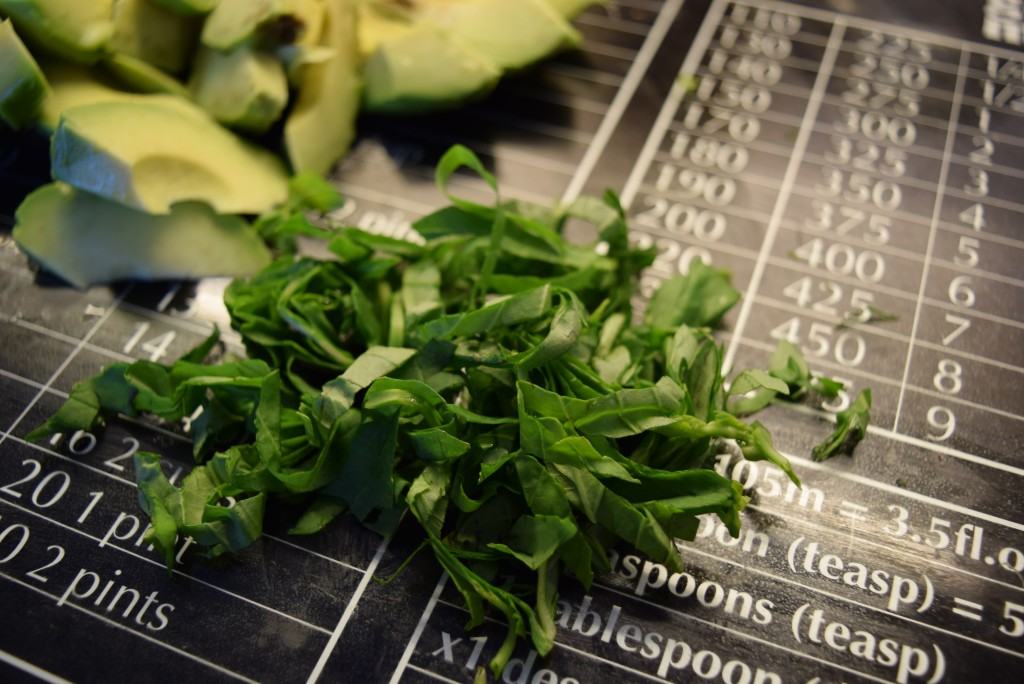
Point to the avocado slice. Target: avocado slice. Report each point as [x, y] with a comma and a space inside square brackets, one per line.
[143, 77]
[87, 240]
[23, 88]
[78, 30]
[154, 34]
[305, 48]
[72, 85]
[236, 22]
[321, 126]
[189, 7]
[243, 88]
[151, 155]
[416, 65]
[511, 33]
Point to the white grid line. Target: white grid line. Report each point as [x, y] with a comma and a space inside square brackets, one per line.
[350, 609]
[954, 117]
[410, 647]
[623, 97]
[153, 561]
[67, 361]
[843, 599]
[145, 637]
[99, 471]
[800, 146]
[29, 668]
[888, 547]
[675, 96]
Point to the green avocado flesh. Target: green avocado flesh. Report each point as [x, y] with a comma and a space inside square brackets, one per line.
[188, 7]
[73, 85]
[417, 66]
[243, 88]
[429, 54]
[154, 34]
[78, 30]
[142, 76]
[511, 33]
[306, 48]
[321, 126]
[87, 240]
[150, 155]
[236, 22]
[23, 87]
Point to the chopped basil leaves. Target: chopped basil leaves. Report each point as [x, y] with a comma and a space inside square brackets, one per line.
[488, 382]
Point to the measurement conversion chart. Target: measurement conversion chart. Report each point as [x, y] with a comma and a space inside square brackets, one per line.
[857, 166]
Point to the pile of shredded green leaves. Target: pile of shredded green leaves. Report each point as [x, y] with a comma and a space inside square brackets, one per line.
[493, 382]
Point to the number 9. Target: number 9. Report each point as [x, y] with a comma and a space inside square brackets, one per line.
[943, 420]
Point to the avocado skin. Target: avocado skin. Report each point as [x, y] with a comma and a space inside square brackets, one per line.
[23, 88]
[152, 153]
[87, 240]
[78, 30]
[321, 126]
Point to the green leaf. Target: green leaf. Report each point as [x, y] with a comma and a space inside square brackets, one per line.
[578, 558]
[787, 363]
[753, 390]
[539, 401]
[339, 394]
[193, 511]
[704, 380]
[411, 397]
[421, 290]
[199, 353]
[851, 428]
[491, 379]
[535, 539]
[366, 481]
[318, 515]
[509, 311]
[758, 447]
[618, 516]
[698, 298]
[428, 496]
[681, 351]
[826, 386]
[580, 453]
[543, 495]
[437, 444]
[89, 401]
[309, 190]
[154, 491]
[566, 325]
[456, 157]
[632, 411]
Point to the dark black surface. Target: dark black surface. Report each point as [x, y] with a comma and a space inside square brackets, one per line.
[912, 551]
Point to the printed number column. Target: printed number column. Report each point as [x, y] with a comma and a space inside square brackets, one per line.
[968, 356]
[717, 175]
[847, 263]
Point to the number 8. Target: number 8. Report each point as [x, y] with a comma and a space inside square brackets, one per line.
[947, 380]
